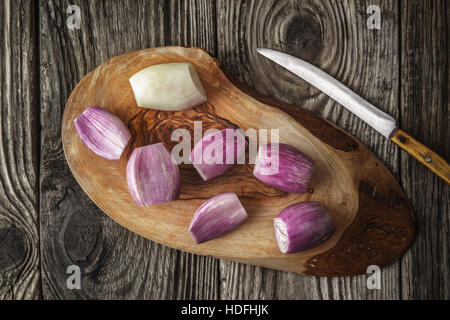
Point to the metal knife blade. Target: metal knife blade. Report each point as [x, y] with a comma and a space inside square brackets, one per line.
[364, 110]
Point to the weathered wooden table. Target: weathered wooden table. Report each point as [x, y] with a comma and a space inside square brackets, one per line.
[47, 223]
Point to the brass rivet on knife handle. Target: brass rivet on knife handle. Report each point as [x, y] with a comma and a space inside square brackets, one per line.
[424, 155]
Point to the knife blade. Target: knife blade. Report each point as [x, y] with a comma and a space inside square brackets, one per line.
[377, 119]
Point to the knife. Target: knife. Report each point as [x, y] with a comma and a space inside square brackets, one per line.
[377, 119]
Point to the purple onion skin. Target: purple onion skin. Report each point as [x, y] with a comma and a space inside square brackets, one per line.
[102, 132]
[217, 216]
[294, 170]
[152, 176]
[303, 226]
[210, 171]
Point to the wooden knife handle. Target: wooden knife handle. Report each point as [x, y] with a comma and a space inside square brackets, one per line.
[427, 157]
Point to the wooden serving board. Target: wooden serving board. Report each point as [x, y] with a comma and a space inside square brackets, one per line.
[375, 224]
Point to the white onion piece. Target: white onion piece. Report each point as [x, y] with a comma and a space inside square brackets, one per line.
[217, 216]
[102, 132]
[152, 176]
[303, 226]
[168, 87]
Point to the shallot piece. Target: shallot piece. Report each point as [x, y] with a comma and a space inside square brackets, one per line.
[217, 152]
[283, 167]
[152, 176]
[168, 87]
[303, 226]
[102, 132]
[217, 216]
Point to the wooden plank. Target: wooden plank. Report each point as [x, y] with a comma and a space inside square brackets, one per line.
[425, 115]
[114, 262]
[332, 35]
[19, 233]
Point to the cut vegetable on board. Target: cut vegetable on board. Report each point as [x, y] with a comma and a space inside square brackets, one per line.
[217, 152]
[283, 167]
[303, 226]
[216, 217]
[168, 87]
[152, 176]
[102, 132]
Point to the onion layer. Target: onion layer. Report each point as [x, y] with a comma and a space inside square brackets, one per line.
[303, 226]
[102, 132]
[217, 216]
[217, 152]
[152, 176]
[283, 167]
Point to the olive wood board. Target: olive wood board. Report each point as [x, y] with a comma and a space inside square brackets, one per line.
[375, 223]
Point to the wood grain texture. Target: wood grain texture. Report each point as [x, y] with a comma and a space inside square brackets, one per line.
[425, 115]
[115, 263]
[19, 235]
[332, 35]
[306, 28]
